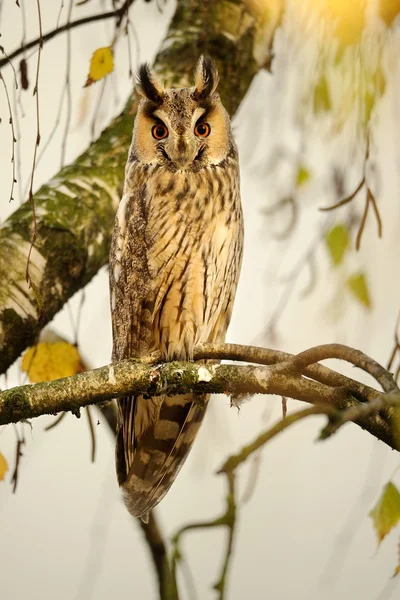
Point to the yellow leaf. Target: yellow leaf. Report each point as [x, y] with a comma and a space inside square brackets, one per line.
[386, 512]
[358, 286]
[3, 467]
[337, 241]
[101, 64]
[47, 361]
[303, 175]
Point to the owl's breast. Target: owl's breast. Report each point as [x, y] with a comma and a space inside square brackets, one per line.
[194, 252]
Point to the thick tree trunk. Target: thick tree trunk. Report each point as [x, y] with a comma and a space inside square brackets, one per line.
[75, 210]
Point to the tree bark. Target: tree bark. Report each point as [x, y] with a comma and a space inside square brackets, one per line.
[75, 210]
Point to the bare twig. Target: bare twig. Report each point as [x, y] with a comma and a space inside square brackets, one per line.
[37, 142]
[395, 350]
[67, 88]
[13, 139]
[370, 199]
[130, 71]
[355, 413]
[345, 200]
[59, 13]
[18, 163]
[92, 433]
[18, 456]
[56, 422]
[362, 222]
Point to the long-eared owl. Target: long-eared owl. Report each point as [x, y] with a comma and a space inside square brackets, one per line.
[174, 266]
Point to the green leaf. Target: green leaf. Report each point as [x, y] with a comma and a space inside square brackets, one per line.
[337, 241]
[322, 101]
[386, 512]
[358, 286]
[303, 175]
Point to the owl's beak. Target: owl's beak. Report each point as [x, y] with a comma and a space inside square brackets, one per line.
[185, 153]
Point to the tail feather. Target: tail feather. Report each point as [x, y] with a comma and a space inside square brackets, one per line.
[146, 470]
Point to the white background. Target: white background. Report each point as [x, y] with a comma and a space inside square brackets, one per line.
[305, 532]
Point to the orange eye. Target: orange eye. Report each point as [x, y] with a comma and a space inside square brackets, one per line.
[159, 131]
[202, 130]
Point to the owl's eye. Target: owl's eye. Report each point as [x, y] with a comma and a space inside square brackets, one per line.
[159, 131]
[202, 130]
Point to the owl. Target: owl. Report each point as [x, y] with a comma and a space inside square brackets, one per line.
[174, 265]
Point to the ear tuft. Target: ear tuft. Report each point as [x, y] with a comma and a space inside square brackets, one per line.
[148, 85]
[206, 78]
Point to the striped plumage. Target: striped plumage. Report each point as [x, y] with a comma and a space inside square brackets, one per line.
[174, 267]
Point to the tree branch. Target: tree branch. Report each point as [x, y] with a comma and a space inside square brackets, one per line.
[293, 378]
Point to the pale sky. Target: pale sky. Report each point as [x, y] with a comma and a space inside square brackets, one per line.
[65, 534]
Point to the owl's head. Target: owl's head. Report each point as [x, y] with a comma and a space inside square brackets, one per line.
[182, 129]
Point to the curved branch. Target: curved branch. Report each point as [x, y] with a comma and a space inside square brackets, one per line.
[345, 200]
[266, 356]
[111, 14]
[354, 413]
[351, 355]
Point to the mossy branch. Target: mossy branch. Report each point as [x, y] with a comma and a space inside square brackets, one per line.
[340, 398]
